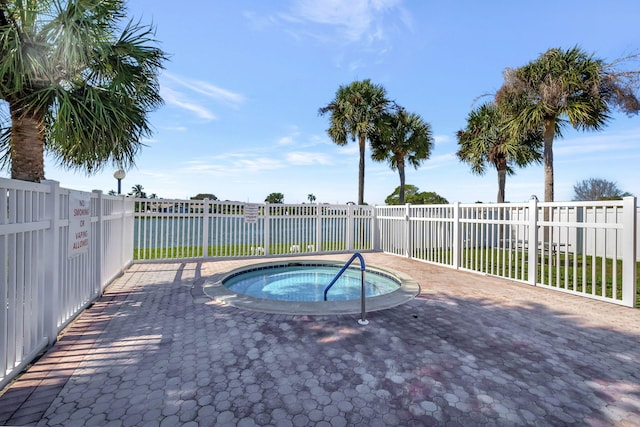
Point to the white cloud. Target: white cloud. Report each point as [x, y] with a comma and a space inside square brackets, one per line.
[440, 161]
[178, 99]
[352, 148]
[232, 164]
[442, 139]
[225, 96]
[357, 20]
[175, 128]
[596, 143]
[337, 21]
[308, 158]
[259, 164]
[286, 140]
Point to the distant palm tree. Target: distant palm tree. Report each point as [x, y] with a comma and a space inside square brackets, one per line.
[138, 192]
[355, 113]
[485, 141]
[402, 138]
[566, 87]
[311, 198]
[78, 83]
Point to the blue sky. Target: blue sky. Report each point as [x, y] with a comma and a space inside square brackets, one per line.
[246, 78]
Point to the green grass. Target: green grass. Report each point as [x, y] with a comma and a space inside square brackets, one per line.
[560, 273]
[232, 250]
[579, 273]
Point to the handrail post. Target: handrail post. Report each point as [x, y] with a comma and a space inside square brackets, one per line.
[363, 311]
[363, 316]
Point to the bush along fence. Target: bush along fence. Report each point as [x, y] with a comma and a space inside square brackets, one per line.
[60, 248]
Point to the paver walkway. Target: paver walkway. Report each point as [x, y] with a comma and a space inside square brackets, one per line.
[469, 350]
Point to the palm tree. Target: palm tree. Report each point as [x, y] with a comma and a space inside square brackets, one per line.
[311, 198]
[138, 192]
[74, 86]
[566, 87]
[402, 138]
[355, 113]
[485, 141]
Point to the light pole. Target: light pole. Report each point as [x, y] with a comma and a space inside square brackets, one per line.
[119, 175]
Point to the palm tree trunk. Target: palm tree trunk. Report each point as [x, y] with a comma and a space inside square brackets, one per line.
[502, 179]
[501, 167]
[402, 180]
[27, 144]
[361, 141]
[549, 133]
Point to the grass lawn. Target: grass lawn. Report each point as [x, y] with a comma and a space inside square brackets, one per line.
[579, 273]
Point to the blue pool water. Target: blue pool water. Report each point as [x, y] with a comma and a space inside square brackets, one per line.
[307, 283]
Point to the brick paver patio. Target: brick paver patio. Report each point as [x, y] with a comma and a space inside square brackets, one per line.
[469, 350]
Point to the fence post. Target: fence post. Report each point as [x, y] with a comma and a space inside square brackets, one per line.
[318, 228]
[629, 251]
[205, 228]
[457, 240]
[99, 239]
[267, 228]
[52, 262]
[375, 229]
[532, 255]
[350, 227]
[407, 231]
[123, 233]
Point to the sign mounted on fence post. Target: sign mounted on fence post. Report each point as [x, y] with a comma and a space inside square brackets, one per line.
[79, 222]
[250, 213]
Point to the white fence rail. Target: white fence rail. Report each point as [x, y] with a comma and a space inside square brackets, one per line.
[166, 229]
[44, 281]
[584, 248]
[54, 262]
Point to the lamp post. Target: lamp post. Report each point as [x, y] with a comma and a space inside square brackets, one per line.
[119, 175]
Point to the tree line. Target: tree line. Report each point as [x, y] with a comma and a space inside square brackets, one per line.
[517, 127]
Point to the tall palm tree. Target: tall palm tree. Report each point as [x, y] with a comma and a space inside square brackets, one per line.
[402, 138]
[485, 141]
[355, 113]
[138, 192]
[566, 87]
[76, 85]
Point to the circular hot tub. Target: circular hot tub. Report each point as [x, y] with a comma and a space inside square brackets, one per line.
[298, 288]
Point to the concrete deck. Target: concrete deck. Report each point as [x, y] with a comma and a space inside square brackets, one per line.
[469, 350]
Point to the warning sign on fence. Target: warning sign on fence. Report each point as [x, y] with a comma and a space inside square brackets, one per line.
[250, 213]
[79, 222]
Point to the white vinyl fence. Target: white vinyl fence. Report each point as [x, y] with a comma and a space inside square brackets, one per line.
[584, 248]
[59, 249]
[166, 229]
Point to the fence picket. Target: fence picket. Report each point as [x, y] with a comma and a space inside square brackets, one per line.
[584, 248]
